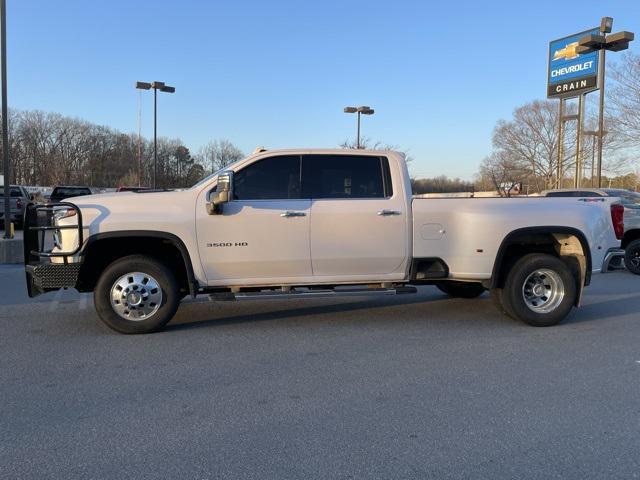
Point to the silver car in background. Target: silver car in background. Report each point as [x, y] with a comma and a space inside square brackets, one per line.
[19, 199]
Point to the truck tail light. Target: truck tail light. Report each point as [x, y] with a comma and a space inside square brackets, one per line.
[617, 216]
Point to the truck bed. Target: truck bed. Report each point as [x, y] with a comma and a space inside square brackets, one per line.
[442, 226]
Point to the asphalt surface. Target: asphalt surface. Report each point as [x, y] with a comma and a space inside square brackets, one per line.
[417, 386]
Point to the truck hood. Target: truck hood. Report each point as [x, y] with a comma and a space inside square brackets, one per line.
[157, 211]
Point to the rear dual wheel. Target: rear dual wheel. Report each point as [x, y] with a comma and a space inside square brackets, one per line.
[539, 290]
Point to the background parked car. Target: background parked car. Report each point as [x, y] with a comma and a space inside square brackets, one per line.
[19, 199]
[631, 202]
[60, 193]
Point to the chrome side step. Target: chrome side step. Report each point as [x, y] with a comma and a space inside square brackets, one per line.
[308, 293]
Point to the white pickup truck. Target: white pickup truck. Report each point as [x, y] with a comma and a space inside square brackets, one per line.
[305, 223]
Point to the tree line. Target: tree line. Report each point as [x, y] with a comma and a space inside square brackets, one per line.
[50, 149]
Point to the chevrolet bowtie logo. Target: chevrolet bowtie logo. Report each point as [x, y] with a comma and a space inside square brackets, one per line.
[568, 52]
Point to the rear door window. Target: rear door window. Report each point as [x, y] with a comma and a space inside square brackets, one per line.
[345, 176]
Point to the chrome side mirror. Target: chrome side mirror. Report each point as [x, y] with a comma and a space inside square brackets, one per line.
[222, 195]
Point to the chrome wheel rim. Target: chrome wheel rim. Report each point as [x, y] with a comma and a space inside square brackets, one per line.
[635, 258]
[136, 296]
[543, 291]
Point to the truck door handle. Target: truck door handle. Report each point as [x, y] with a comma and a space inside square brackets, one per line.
[386, 213]
[289, 213]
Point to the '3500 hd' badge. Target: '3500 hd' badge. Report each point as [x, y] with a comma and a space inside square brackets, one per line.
[227, 244]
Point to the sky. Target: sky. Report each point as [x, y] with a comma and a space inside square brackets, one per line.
[278, 73]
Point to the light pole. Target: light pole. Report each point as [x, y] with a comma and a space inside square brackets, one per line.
[614, 42]
[593, 134]
[6, 170]
[364, 110]
[163, 88]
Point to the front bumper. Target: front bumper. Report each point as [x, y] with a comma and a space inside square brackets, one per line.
[614, 256]
[45, 277]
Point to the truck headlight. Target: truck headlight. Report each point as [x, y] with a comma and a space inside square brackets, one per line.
[57, 216]
[63, 213]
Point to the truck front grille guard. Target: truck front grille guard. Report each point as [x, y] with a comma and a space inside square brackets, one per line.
[38, 220]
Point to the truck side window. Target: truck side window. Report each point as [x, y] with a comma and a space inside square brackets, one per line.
[345, 176]
[274, 178]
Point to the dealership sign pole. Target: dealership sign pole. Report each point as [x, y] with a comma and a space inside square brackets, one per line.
[600, 43]
[570, 75]
[576, 67]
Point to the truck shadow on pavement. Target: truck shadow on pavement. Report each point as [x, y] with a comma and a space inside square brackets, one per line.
[427, 305]
[620, 306]
[437, 307]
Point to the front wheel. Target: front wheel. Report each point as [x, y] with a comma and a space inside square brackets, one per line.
[461, 289]
[539, 290]
[632, 257]
[136, 294]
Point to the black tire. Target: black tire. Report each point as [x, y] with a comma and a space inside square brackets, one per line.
[145, 265]
[559, 306]
[632, 257]
[461, 289]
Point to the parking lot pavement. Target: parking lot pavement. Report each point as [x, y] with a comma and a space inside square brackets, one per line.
[416, 386]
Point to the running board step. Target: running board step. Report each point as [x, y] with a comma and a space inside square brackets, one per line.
[279, 294]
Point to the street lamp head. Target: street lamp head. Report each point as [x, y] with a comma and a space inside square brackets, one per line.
[143, 85]
[592, 41]
[619, 41]
[350, 109]
[366, 110]
[168, 89]
[157, 85]
[606, 24]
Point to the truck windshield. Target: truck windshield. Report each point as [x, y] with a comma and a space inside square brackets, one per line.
[66, 192]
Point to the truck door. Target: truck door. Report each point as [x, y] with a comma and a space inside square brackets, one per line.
[358, 222]
[263, 232]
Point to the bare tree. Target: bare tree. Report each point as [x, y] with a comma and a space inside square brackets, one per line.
[625, 99]
[502, 170]
[367, 144]
[219, 153]
[532, 137]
